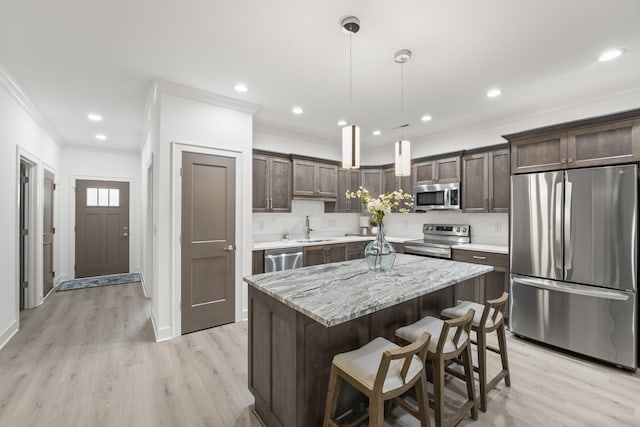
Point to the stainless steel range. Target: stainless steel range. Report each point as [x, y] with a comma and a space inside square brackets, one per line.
[438, 240]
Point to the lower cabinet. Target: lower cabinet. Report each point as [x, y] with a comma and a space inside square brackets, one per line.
[355, 250]
[490, 286]
[323, 254]
[257, 262]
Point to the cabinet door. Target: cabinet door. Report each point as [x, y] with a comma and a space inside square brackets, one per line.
[399, 247]
[355, 205]
[540, 153]
[336, 253]
[260, 182]
[258, 262]
[372, 181]
[304, 178]
[475, 183]
[606, 144]
[313, 255]
[327, 180]
[406, 184]
[389, 180]
[424, 172]
[342, 203]
[280, 184]
[499, 181]
[447, 170]
[355, 250]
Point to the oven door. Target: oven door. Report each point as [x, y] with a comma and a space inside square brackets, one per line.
[435, 251]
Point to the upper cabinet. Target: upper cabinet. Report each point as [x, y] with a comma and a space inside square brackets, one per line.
[485, 181]
[312, 179]
[439, 171]
[271, 183]
[599, 141]
[348, 179]
[372, 181]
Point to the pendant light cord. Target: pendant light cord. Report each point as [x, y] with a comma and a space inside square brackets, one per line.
[402, 101]
[350, 82]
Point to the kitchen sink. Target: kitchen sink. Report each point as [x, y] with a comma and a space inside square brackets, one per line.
[313, 240]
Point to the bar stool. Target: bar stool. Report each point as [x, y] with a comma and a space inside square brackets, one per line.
[488, 318]
[382, 371]
[450, 341]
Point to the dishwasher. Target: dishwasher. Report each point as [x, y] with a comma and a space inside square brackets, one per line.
[282, 259]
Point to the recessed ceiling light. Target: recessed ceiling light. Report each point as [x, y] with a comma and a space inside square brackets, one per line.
[241, 87]
[297, 110]
[426, 118]
[610, 54]
[377, 132]
[94, 117]
[492, 93]
[101, 137]
[342, 122]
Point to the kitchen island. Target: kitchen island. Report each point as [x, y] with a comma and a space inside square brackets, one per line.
[299, 319]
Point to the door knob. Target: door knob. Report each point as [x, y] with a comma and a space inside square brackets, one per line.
[124, 234]
[230, 248]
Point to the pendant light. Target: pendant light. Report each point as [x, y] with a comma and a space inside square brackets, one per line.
[403, 146]
[351, 132]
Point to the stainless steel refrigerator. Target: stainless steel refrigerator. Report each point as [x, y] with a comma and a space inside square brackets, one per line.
[574, 241]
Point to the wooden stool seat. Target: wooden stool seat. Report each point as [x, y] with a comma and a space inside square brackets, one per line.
[450, 341]
[382, 371]
[488, 318]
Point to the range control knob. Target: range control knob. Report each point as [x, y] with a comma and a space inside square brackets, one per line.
[464, 230]
[457, 229]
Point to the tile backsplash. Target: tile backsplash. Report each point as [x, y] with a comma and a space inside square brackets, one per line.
[486, 228]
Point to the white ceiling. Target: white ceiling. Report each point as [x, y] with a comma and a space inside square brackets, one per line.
[72, 57]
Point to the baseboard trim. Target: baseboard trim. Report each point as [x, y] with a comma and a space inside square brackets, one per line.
[144, 284]
[161, 334]
[9, 333]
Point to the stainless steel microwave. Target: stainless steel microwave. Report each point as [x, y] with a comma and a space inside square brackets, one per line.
[428, 197]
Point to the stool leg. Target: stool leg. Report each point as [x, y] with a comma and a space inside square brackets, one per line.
[471, 387]
[376, 411]
[438, 390]
[502, 344]
[332, 398]
[482, 367]
[423, 400]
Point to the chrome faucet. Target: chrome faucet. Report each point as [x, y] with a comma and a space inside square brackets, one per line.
[307, 228]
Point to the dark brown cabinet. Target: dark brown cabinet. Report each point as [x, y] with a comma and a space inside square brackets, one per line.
[348, 179]
[313, 179]
[372, 181]
[485, 182]
[489, 286]
[355, 250]
[439, 171]
[324, 254]
[271, 183]
[599, 141]
[257, 262]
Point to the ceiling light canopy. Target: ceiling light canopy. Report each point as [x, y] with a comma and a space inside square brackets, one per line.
[350, 133]
[297, 110]
[94, 117]
[494, 92]
[610, 54]
[240, 87]
[402, 147]
[101, 137]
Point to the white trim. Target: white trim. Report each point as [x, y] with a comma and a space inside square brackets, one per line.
[71, 248]
[143, 283]
[9, 83]
[150, 109]
[56, 238]
[8, 333]
[162, 334]
[177, 148]
[188, 92]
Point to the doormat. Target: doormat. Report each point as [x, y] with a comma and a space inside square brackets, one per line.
[92, 282]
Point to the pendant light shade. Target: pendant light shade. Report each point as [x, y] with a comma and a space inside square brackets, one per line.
[403, 147]
[351, 147]
[350, 133]
[403, 158]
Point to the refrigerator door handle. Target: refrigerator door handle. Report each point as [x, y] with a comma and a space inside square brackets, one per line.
[568, 261]
[572, 289]
[557, 240]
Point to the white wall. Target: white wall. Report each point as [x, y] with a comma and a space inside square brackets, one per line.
[185, 120]
[297, 144]
[79, 162]
[18, 129]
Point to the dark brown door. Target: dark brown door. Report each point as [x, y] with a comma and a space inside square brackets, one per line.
[47, 236]
[102, 228]
[208, 241]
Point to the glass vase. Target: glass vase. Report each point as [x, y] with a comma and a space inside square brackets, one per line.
[379, 253]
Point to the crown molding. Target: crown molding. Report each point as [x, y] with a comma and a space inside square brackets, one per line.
[11, 86]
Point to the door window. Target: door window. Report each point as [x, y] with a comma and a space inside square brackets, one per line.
[107, 197]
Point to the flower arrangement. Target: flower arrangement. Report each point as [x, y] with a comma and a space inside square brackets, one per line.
[383, 204]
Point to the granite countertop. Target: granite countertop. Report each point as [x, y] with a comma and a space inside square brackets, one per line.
[338, 292]
[294, 243]
[497, 249]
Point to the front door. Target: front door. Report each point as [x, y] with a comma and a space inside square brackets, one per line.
[102, 228]
[47, 236]
[208, 241]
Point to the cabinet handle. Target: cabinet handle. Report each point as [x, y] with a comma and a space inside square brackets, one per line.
[479, 257]
[563, 160]
[485, 203]
[570, 159]
[491, 203]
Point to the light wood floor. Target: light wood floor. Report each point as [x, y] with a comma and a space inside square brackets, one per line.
[87, 358]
